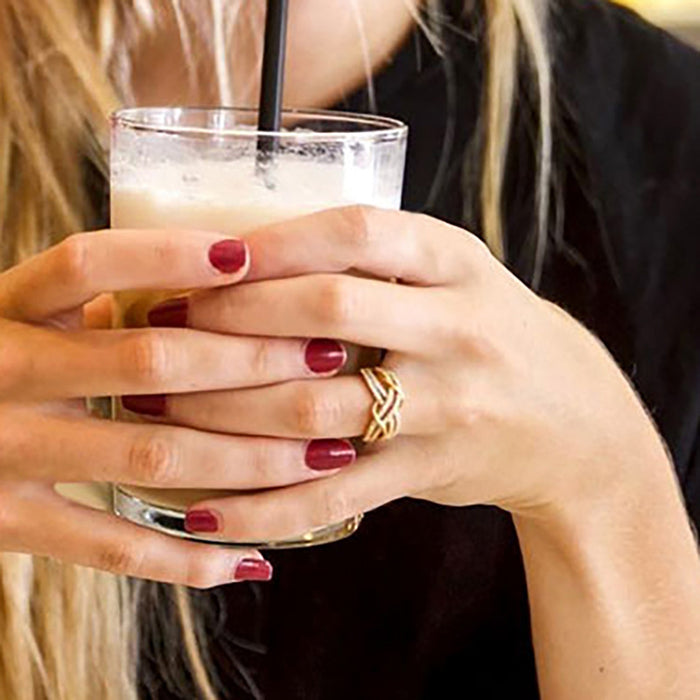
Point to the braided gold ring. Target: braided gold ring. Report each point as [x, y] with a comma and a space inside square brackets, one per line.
[385, 387]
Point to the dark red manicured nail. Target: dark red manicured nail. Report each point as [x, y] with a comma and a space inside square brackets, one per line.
[253, 570]
[169, 314]
[323, 355]
[228, 256]
[329, 454]
[201, 521]
[149, 405]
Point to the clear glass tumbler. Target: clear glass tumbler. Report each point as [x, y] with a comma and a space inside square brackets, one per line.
[202, 169]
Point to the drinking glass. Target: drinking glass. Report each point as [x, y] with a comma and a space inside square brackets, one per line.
[212, 169]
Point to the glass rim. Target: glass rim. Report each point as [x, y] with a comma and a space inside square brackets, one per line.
[384, 127]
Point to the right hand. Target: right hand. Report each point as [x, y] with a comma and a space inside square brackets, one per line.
[52, 356]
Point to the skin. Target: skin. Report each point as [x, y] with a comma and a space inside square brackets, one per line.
[161, 74]
[510, 402]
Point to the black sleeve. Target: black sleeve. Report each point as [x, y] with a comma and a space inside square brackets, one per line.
[632, 94]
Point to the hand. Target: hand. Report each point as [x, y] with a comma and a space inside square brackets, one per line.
[509, 401]
[50, 360]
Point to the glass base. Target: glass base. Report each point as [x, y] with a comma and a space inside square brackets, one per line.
[172, 522]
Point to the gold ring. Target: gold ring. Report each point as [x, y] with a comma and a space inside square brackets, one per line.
[388, 395]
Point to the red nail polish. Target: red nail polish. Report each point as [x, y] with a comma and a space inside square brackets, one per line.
[201, 521]
[228, 256]
[253, 570]
[323, 355]
[148, 405]
[322, 455]
[169, 314]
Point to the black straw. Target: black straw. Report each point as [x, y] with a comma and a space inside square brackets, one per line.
[272, 86]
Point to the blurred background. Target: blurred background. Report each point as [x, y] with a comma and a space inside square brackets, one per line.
[680, 16]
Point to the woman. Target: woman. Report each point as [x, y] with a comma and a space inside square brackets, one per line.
[510, 402]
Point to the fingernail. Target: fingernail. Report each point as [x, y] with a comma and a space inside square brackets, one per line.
[322, 455]
[323, 355]
[148, 405]
[201, 521]
[253, 570]
[228, 256]
[169, 314]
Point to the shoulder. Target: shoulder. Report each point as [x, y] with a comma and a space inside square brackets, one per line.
[604, 50]
[578, 17]
[630, 93]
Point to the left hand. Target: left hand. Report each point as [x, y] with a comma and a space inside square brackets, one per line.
[509, 401]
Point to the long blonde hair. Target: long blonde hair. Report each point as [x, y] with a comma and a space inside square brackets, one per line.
[69, 633]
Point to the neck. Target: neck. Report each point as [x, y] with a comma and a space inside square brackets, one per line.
[333, 45]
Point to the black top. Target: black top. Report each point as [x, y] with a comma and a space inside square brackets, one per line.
[430, 602]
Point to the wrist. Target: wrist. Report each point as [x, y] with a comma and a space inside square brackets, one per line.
[632, 492]
[616, 577]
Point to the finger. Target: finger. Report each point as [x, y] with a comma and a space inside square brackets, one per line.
[43, 523]
[384, 243]
[333, 408]
[47, 447]
[375, 480]
[363, 311]
[41, 363]
[85, 264]
[98, 312]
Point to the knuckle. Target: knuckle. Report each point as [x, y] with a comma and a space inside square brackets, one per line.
[478, 345]
[477, 251]
[333, 302]
[462, 338]
[448, 324]
[18, 449]
[153, 460]
[261, 360]
[264, 461]
[120, 557]
[464, 412]
[8, 518]
[146, 358]
[169, 252]
[473, 336]
[15, 369]
[459, 412]
[360, 229]
[74, 259]
[312, 415]
[334, 506]
[201, 574]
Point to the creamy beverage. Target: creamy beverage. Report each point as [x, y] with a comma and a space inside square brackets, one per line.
[180, 168]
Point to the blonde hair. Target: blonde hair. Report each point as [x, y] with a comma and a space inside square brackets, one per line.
[510, 21]
[70, 633]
